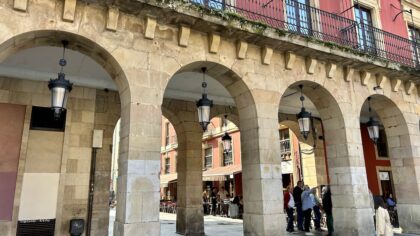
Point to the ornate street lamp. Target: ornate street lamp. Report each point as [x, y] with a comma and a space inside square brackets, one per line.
[372, 126]
[304, 117]
[60, 87]
[226, 139]
[204, 104]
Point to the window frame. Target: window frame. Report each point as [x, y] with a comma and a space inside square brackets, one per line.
[208, 156]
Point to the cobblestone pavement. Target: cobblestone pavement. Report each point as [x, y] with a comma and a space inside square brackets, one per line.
[215, 226]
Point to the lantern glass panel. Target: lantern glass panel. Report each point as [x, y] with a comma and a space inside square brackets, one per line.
[227, 145]
[304, 124]
[203, 114]
[58, 97]
[373, 132]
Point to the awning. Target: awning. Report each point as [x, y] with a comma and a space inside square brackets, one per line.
[165, 179]
[220, 173]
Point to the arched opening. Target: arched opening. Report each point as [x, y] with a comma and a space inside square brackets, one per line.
[389, 175]
[56, 170]
[202, 164]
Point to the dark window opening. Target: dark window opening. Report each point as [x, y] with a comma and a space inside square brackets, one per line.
[42, 118]
[208, 158]
[414, 35]
[167, 165]
[382, 145]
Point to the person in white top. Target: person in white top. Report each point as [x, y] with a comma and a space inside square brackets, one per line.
[383, 222]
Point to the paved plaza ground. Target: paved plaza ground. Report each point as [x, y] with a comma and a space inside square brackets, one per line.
[213, 226]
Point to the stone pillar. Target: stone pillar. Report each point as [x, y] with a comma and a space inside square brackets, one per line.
[350, 193]
[189, 215]
[261, 171]
[139, 167]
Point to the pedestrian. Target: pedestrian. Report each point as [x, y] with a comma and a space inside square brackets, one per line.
[289, 204]
[327, 205]
[213, 198]
[205, 201]
[307, 205]
[297, 196]
[316, 209]
[383, 222]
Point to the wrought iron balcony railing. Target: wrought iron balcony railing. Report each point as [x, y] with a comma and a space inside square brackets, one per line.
[308, 21]
[285, 147]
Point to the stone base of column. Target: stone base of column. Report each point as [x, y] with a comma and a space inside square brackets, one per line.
[189, 221]
[409, 217]
[352, 222]
[137, 229]
[260, 225]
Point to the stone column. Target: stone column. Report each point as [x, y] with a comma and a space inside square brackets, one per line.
[189, 215]
[261, 171]
[350, 194]
[139, 167]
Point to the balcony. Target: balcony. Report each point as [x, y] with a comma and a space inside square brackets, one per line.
[327, 28]
[285, 151]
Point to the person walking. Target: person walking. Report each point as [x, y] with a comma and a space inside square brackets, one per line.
[307, 205]
[383, 222]
[297, 196]
[327, 205]
[316, 209]
[289, 204]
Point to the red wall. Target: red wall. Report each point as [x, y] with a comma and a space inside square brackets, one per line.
[371, 162]
[11, 128]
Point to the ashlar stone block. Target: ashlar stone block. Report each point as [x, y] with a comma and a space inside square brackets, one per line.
[331, 68]
[241, 49]
[365, 77]
[266, 55]
[409, 87]
[381, 80]
[214, 42]
[112, 20]
[20, 5]
[184, 35]
[348, 73]
[150, 28]
[311, 65]
[69, 10]
[395, 85]
[290, 59]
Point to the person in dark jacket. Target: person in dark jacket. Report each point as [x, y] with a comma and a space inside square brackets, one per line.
[327, 205]
[297, 196]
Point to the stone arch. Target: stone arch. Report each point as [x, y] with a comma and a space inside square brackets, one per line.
[11, 44]
[343, 153]
[401, 129]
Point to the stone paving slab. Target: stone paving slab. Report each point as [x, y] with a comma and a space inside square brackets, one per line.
[216, 226]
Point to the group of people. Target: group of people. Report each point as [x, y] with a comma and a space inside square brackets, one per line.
[305, 200]
[217, 202]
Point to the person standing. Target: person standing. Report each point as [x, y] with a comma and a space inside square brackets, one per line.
[316, 209]
[213, 198]
[307, 205]
[289, 205]
[327, 205]
[383, 222]
[297, 196]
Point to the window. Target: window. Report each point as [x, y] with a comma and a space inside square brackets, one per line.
[299, 16]
[166, 134]
[42, 118]
[382, 146]
[208, 158]
[414, 35]
[167, 165]
[284, 134]
[365, 33]
[227, 158]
